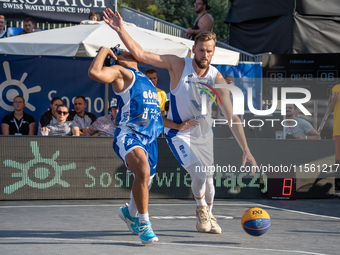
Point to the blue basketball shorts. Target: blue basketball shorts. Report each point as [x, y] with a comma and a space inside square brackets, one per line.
[126, 141]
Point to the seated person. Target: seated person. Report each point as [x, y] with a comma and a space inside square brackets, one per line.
[82, 118]
[3, 32]
[18, 122]
[104, 126]
[94, 16]
[300, 128]
[62, 127]
[50, 117]
[29, 27]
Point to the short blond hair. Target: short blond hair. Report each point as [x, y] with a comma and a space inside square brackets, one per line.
[2, 17]
[205, 36]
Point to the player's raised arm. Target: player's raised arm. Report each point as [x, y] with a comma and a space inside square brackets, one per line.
[115, 21]
[101, 73]
[237, 129]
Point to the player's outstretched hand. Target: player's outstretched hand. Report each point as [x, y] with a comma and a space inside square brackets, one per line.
[248, 157]
[114, 20]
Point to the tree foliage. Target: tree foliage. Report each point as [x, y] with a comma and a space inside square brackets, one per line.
[182, 12]
[140, 5]
[178, 12]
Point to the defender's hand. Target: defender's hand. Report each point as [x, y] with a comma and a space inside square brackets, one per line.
[114, 20]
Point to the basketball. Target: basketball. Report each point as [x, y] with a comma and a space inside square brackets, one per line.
[255, 221]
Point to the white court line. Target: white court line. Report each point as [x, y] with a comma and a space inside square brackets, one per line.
[107, 205]
[294, 211]
[188, 217]
[90, 241]
[215, 204]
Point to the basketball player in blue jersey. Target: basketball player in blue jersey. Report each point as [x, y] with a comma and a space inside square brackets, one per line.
[193, 148]
[139, 123]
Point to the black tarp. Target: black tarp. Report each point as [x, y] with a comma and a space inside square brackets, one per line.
[285, 26]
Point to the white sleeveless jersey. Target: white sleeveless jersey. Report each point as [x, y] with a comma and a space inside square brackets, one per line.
[187, 100]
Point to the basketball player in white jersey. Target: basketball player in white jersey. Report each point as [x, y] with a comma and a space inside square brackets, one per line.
[192, 148]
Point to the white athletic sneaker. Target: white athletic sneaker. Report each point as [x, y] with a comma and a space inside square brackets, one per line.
[203, 223]
[215, 228]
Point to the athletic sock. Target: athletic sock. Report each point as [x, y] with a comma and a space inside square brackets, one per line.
[210, 208]
[144, 217]
[132, 206]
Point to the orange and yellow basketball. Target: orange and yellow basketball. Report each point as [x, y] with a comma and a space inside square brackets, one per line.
[255, 221]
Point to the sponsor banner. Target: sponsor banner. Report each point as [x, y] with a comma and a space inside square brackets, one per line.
[48, 167]
[54, 10]
[39, 79]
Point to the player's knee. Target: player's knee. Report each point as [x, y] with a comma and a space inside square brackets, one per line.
[210, 180]
[142, 173]
[199, 181]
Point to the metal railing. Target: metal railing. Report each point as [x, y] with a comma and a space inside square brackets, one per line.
[147, 21]
[39, 25]
[144, 20]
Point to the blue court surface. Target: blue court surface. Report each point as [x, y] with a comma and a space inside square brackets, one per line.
[94, 227]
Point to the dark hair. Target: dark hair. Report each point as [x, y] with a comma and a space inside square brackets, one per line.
[206, 3]
[150, 71]
[29, 20]
[94, 14]
[82, 97]
[62, 105]
[20, 97]
[49, 112]
[55, 99]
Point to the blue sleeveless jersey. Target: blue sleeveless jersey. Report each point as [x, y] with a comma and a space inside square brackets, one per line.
[138, 107]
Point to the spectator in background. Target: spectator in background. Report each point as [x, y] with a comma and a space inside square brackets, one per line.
[104, 126]
[62, 127]
[28, 27]
[334, 106]
[3, 33]
[203, 22]
[300, 128]
[152, 75]
[18, 122]
[82, 118]
[94, 16]
[50, 117]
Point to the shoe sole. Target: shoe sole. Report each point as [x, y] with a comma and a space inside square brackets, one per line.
[151, 241]
[121, 215]
[202, 230]
[215, 231]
